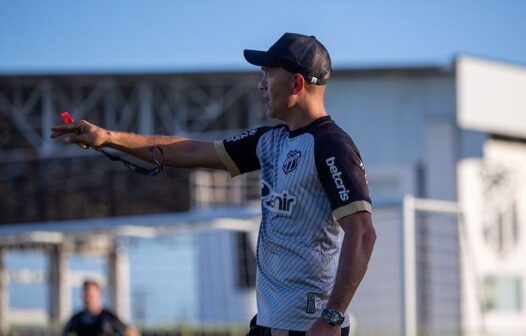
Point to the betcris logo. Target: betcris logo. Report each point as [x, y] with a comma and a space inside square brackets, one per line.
[280, 203]
[336, 177]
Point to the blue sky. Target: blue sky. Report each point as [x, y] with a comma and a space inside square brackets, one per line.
[161, 35]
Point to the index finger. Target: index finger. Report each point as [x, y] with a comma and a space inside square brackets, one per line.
[59, 130]
[66, 128]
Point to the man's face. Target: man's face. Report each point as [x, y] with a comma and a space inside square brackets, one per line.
[92, 297]
[276, 85]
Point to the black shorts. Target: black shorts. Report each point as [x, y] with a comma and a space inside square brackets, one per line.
[256, 330]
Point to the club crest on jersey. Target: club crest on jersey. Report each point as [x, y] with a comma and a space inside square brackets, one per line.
[292, 161]
[280, 203]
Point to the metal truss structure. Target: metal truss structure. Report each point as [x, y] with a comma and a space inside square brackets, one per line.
[202, 106]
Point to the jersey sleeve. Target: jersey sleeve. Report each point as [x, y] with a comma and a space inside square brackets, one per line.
[238, 153]
[342, 173]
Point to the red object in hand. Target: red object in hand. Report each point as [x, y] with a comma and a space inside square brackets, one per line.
[67, 118]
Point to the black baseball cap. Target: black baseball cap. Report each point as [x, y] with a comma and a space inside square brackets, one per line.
[295, 53]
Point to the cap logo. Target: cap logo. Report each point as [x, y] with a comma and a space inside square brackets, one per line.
[314, 80]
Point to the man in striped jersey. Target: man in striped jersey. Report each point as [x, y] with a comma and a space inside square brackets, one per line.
[313, 186]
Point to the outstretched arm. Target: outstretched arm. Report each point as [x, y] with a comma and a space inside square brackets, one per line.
[178, 152]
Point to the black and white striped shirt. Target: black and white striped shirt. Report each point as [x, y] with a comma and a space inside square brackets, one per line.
[311, 177]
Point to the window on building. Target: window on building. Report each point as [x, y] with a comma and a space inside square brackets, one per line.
[503, 294]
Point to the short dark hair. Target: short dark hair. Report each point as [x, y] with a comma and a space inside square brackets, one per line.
[91, 282]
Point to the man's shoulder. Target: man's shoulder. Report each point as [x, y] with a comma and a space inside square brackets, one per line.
[254, 133]
[77, 315]
[74, 321]
[272, 133]
[108, 313]
[281, 128]
[330, 134]
[110, 317]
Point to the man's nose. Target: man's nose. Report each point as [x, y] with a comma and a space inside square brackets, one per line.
[262, 84]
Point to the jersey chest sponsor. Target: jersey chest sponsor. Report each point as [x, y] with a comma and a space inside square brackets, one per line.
[277, 202]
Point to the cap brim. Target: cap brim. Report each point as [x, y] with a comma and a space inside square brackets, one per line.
[259, 58]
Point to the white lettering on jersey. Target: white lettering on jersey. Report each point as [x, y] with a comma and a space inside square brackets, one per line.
[243, 135]
[336, 177]
[280, 203]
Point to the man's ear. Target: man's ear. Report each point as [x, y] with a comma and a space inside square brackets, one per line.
[299, 84]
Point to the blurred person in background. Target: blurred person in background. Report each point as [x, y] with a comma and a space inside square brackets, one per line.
[313, 186]
[94, 320]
